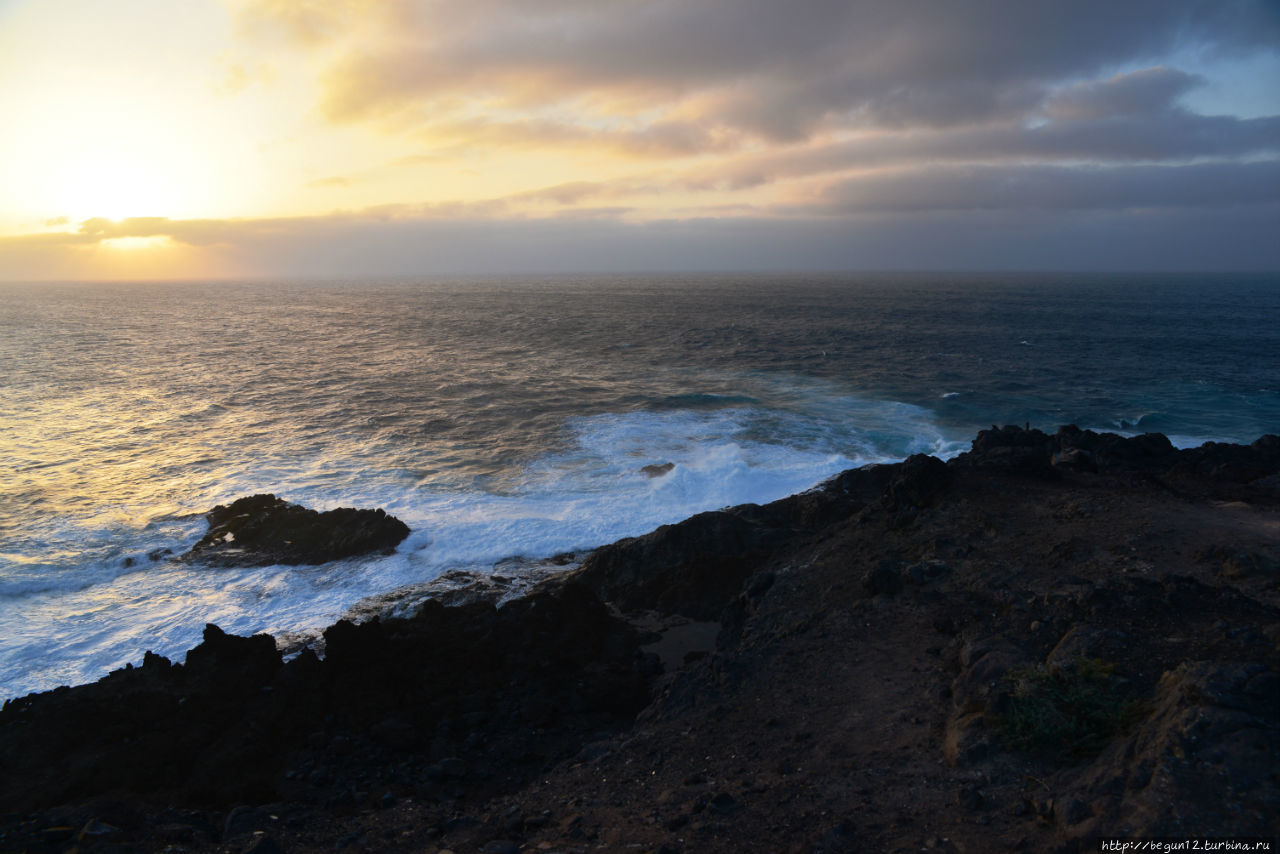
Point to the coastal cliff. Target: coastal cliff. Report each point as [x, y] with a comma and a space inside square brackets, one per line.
[1049, 639]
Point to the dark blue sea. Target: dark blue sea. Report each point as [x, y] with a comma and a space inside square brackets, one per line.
[508, 419]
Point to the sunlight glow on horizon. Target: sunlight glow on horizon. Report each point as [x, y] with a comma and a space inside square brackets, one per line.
[136, 244]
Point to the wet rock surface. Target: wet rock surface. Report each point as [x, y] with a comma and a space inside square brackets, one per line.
[846, 669]
[261, 530]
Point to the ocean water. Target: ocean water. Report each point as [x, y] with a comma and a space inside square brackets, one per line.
[510, 418]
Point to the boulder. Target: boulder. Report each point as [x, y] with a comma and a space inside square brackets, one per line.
[917, 482]
[261, 530]
[1110, 452]
[228, 660]
[1234, 463]
[1012, 449]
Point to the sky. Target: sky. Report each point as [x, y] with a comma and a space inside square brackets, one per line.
[294, 138]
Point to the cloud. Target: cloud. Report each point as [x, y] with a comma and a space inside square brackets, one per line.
[884, 195]
[237, 77]
[1138, 93]
[314, 23]
[1172, 136]
[1232, 238]
[737, 95]
[1055, 188]
[195, 232]
[714, 132]
[658, 139]
[564, 194]
[777, 71]
[326, 183]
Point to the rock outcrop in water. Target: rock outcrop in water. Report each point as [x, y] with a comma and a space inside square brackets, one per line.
[261, 530]
[1050, 639]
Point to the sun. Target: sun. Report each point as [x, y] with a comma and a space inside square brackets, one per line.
[111, 184]
[112, 148]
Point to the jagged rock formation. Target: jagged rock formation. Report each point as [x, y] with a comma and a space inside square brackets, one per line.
[390, 698]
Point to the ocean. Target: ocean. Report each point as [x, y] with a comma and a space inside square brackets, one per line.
[507, 420]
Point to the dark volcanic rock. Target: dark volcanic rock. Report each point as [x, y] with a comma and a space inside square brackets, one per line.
[1027, 451]
[692, 568]
[696, 567]
[1033, 452]
[1150, 452]
[1013, 449]
[231, 661]
[1234, 463]
[918, 480]
[1206, 749]
[533, 677]
[837, 498]
[262, 529]
[885, 579]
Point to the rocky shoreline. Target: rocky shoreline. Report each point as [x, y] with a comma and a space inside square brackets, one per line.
[1049, 639]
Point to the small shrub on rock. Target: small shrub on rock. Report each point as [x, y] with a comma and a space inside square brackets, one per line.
[1067, 712]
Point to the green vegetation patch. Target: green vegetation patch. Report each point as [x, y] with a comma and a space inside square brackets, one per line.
[1067, 712]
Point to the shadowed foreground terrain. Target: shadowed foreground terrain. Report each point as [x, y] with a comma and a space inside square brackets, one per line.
[1049, 639]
